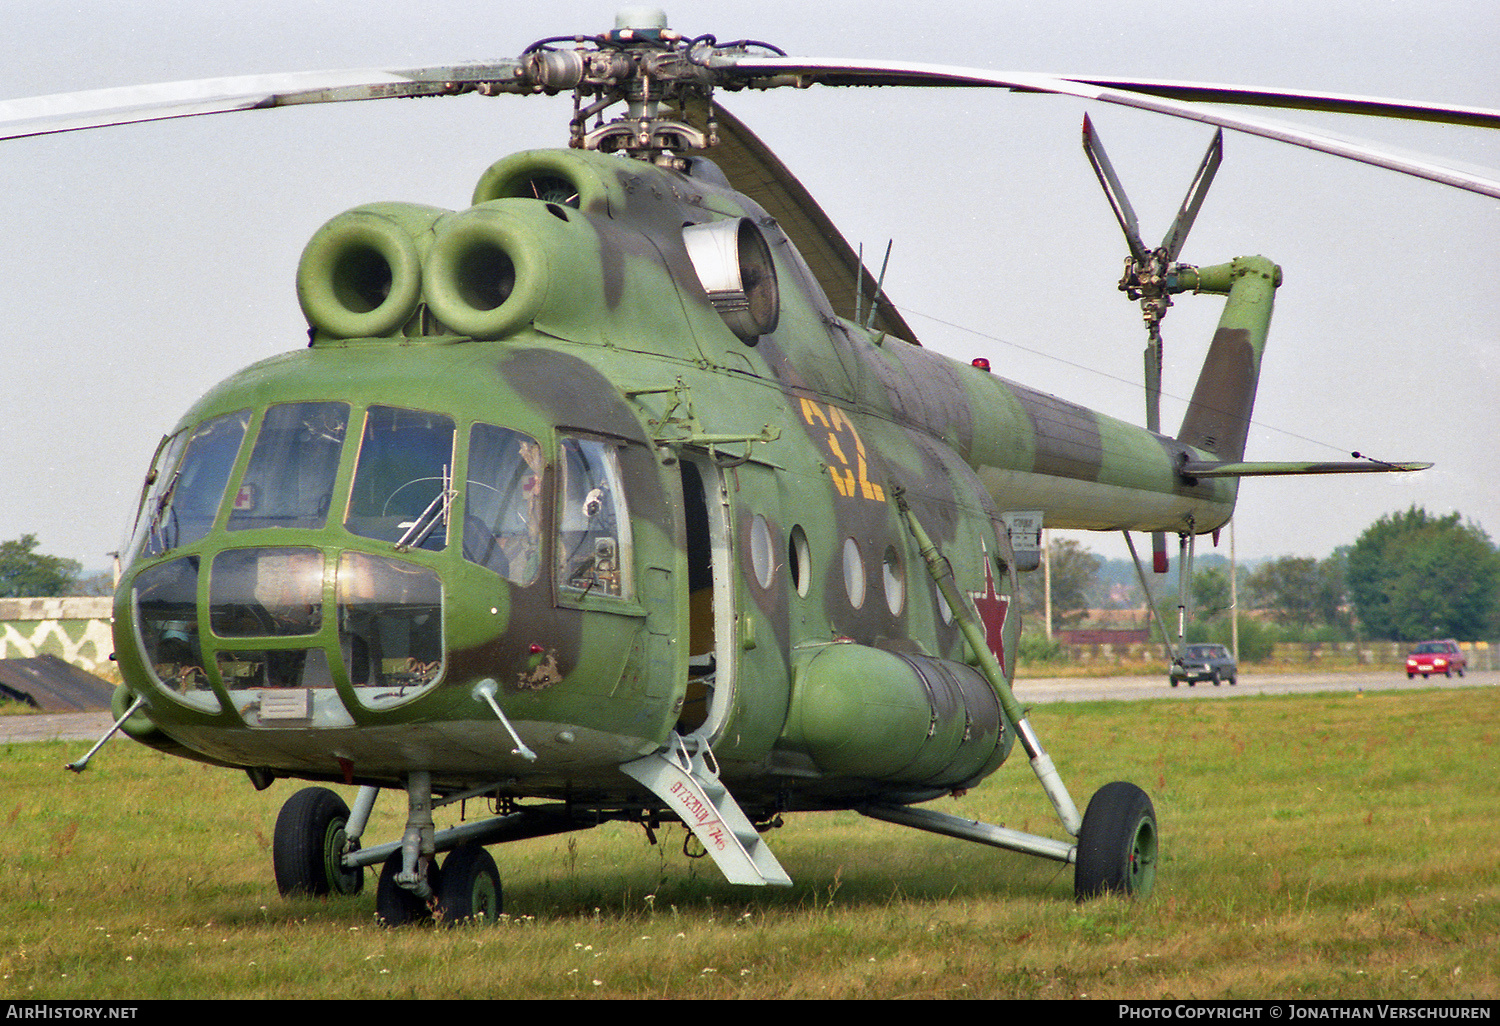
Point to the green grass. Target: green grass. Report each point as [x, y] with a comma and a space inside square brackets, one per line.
[1337, 846]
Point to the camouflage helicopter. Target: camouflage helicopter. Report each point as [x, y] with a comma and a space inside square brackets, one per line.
[594, 500]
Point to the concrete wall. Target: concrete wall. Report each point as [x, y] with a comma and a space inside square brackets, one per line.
[76, 630]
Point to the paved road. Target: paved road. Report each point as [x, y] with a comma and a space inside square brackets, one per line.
[85, 726]
[91, 726]
[1093, 689]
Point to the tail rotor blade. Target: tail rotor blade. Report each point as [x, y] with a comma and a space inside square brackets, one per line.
[1114, 191]
[1172, 244]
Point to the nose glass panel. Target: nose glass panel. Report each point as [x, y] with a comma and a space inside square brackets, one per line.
[266, 593]
[165, 598]
[390, 628]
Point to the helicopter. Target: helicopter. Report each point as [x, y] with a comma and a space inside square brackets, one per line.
[595, 495]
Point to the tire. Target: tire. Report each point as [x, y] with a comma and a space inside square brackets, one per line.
[1216, 678]
[309, 844]
[1117, 844]
[397, 906]
[1174, 683]
[471, 890]
[1233, 681]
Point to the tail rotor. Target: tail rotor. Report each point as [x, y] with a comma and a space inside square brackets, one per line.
[1152, 275]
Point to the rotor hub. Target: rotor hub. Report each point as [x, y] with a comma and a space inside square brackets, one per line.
[645, 65]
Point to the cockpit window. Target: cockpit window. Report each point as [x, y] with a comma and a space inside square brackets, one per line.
[186, 494]
[289, 482]
[502, 505]
[403, 483]
[593, 544]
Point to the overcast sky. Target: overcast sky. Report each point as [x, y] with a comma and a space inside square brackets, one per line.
[146, 263]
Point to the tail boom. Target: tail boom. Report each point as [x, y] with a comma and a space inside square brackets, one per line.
[1089, 471]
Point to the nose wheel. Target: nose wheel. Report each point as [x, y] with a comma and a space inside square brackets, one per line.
[466, 890]
[396, 905]
[470, 887]
[309, 846]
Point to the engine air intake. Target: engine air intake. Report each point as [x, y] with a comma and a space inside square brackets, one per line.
[485, 276]
[361, 273]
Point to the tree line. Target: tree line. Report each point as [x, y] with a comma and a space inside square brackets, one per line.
[27, 573]
[1409, 576]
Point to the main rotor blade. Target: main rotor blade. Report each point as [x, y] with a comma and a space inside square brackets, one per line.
[1297, 99]
[1171, 243]
[1114, 191]
[769, 71]
[96, 108]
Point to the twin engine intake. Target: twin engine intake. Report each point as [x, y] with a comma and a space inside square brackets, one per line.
[402, 269]
[526, 248]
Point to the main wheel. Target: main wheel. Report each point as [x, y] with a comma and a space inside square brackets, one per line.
[471, 887]
[308, 849]
[397, 906]
[1116, 844]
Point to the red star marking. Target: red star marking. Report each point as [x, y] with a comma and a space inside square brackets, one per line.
[992, 609]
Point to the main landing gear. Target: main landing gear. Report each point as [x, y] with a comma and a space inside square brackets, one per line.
[1116, 844]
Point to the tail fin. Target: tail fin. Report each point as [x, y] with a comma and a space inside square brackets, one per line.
[1218, 417]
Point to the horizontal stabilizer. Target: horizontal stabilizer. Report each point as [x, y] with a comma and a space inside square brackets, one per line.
[1204, 468]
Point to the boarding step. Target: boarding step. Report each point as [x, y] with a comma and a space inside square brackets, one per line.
[686, 777]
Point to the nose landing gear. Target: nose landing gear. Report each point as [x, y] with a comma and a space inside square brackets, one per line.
[315, 832]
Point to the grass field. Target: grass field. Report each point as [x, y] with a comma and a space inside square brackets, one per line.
[1338, 846]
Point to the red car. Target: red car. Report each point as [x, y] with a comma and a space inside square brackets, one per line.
[1431, 657]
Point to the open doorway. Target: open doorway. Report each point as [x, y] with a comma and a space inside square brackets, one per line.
[709, 598]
